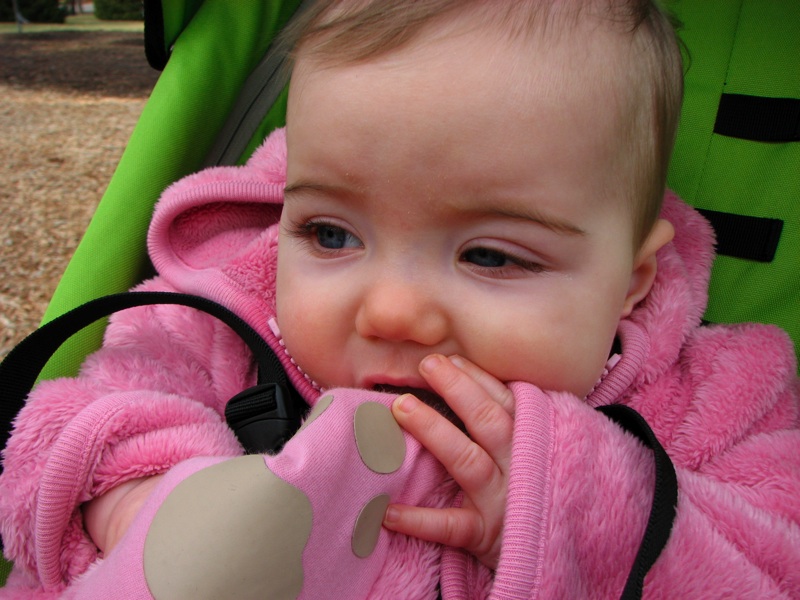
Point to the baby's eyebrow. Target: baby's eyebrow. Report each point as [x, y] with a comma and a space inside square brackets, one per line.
[310, 186]
[552, 223]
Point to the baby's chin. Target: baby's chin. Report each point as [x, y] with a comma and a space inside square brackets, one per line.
[428, 397]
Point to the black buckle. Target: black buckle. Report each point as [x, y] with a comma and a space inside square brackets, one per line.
[262, 418]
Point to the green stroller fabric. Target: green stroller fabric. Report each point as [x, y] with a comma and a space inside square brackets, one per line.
[738, 153]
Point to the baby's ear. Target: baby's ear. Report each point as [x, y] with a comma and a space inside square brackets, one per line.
[645, 265]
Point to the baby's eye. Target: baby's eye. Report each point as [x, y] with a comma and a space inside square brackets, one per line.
[332, 237]
[484, 257]
[497, 263]
[323, 237]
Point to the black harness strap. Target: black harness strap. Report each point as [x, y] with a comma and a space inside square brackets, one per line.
[273, 401]
[665, 497]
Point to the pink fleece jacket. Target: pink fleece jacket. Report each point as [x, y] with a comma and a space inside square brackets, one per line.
[723, 400]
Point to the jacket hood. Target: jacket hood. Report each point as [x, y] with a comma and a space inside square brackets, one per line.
[214, 234]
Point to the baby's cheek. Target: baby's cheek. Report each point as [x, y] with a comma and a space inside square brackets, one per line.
[553, 363]
[315, 349]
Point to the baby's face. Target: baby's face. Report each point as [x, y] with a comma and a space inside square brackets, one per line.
[453, 198]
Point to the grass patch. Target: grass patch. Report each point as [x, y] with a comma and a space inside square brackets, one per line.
[86, 22]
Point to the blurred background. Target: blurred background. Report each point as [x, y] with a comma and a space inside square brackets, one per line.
[73, 81]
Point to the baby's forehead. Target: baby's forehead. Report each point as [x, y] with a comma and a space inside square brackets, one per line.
[479, 73]
[576, 65]
[588, 52]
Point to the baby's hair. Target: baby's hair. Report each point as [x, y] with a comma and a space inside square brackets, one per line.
[338, 32]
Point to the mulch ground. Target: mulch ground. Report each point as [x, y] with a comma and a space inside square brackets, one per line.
[68, 103]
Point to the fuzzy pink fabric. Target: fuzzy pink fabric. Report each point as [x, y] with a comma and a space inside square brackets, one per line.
[724, 401]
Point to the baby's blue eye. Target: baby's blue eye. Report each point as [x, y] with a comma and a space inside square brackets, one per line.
[484, 257]
[331, 237]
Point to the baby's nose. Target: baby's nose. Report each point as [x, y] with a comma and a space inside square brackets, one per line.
[402, 311]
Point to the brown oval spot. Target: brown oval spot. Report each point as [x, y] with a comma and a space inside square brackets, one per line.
[379, 438]
[368, 526]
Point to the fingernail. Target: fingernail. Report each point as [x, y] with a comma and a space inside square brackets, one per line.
[392, 515]
[458, 361]
[406, 403]
[429, 363]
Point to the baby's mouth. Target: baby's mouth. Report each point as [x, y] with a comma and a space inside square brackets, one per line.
[427, 396]
[430, 398]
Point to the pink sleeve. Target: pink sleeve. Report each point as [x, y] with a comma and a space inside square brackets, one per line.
[150, 398]
[580, 493]
[579, 496]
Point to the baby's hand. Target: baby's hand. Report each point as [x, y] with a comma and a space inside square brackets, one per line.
[479, 462]
[108, 517]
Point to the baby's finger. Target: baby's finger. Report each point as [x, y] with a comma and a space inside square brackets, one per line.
[470, 465]
[486, 420]
[453, 527]
[494, 387]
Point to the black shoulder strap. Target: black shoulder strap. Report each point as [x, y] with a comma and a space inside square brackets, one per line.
[273, 399]
[665, 497]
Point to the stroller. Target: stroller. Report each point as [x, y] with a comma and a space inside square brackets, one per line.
[737, 157]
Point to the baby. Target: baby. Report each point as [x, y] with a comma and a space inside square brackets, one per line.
[469, 198]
